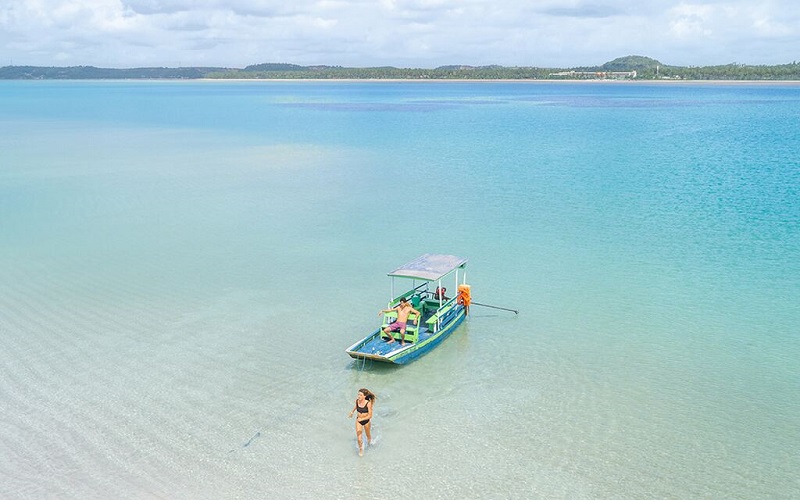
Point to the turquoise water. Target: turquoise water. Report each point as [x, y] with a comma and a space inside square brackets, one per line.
[182, 265]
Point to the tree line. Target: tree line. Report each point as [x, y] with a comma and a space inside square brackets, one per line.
[646, 69]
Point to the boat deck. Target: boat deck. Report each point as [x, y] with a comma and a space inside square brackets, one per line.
[376, 345]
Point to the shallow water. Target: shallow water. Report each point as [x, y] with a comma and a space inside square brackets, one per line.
[183, 264]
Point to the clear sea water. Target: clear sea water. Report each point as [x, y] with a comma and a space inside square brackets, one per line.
[182, 265]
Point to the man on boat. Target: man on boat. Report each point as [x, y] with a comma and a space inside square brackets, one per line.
[403, 310]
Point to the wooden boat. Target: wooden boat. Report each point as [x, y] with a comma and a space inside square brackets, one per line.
[440, 314]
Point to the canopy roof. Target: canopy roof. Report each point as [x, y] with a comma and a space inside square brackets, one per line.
[429, 267]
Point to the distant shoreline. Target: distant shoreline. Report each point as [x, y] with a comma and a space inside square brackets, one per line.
[633, 68]
[785, 83]
[504, 80]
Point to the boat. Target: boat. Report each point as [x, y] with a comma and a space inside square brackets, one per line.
[441, 314]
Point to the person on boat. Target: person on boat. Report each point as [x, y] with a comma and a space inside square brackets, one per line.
[403, 310]
[363, 406]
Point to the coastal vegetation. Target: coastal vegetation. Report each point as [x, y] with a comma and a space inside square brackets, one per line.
[629, 67]
[93, 73]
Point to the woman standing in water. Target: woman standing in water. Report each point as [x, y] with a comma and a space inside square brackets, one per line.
[364, 408]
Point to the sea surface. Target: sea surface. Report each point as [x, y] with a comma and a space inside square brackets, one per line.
[183, 264]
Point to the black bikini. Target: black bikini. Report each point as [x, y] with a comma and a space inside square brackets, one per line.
[362, 409]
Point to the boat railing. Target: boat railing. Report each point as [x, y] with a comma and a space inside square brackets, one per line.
[442, 314]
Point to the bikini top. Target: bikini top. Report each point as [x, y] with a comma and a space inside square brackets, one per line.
[362, 409]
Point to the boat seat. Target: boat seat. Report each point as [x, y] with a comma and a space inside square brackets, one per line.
[434, 318]
[412, 330]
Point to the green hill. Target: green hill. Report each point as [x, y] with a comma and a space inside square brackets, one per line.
[632, 63]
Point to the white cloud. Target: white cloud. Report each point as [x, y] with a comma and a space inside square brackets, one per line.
[422, 33]
[691, 21]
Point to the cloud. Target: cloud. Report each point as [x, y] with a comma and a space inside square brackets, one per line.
[239, 7]
[421, 33]
[690, 21]
[583, 11]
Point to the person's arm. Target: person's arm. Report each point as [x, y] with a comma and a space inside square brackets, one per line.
[369, 409]
[384, 311]
[353, 410]
[419, 316]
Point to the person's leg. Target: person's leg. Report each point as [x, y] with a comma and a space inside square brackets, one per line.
[369, 436]
[388, 331]
[403, 336]
[358, 435]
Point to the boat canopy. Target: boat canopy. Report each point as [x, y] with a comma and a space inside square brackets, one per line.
[429, 267]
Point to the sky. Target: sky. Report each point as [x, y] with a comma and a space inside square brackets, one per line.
[400, 33]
